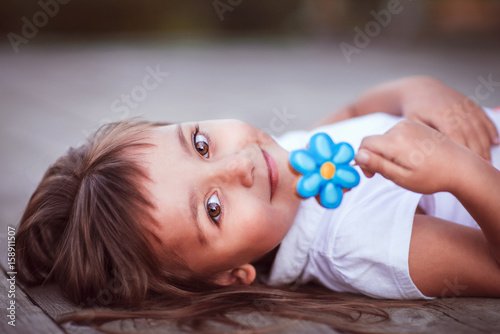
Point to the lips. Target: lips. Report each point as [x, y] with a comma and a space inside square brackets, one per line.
[272, 169]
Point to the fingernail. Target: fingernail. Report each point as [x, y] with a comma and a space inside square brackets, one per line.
[362, 158]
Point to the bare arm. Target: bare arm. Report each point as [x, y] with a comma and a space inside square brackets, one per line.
[385, 97]
[479, 192]
[426, 100]
[421, 159]
[451, 260]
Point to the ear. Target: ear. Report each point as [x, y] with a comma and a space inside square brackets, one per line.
[243, 275]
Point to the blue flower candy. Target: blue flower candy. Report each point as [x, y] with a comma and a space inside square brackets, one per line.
[325, 168]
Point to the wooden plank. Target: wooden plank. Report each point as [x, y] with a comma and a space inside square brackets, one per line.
[55, 304]
[26, 316]
[447, 315]
[52, 301]
[450, 315]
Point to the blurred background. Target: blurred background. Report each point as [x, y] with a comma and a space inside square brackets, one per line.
[67, 66]
[233, 18]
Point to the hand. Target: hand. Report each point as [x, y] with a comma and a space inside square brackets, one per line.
[426, 100]
[416, 157]
[451, 113]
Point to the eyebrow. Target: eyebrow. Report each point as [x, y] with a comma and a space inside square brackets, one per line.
[193, 197]
[193, 204]
[182, 139]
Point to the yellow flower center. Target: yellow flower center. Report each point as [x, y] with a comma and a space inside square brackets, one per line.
[327, 170]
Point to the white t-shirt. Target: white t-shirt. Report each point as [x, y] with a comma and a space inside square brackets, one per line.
[363, 245]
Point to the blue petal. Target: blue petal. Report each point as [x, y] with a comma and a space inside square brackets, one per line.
[322, 147]
[344, 153]
[309, 185]
[330, 196]
[346, 176]
[302, 161]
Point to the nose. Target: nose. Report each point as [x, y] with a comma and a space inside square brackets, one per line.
[233, 168]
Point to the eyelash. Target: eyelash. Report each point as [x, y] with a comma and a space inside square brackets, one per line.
[208, 141]
[218, 219]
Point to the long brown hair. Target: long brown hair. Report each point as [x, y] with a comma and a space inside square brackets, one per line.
[87, 228]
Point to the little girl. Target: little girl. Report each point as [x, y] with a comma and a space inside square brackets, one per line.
[176, 218]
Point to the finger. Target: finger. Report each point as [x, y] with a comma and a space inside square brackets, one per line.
[492, 129]
[487, 124]
[476, 127]
[367, 173]
[372, 162]
[468, 132]
[486, 141]
[477, 138]
[361, 156]
[384, 145]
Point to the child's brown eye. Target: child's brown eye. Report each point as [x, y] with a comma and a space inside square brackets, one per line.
[201, 145]
[213, 208]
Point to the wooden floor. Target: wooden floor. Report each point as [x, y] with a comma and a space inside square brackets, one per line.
[53, 95]
[38, 308]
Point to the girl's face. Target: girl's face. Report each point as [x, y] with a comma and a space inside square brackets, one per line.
[224, 192]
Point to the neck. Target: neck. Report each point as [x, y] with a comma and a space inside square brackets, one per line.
[263, 264]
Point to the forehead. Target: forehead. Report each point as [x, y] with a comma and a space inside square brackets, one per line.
[157, 156]
[169, 186]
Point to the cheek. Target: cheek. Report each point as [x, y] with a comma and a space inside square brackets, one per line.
[272, 226]
[254, 225]
[284, 212]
